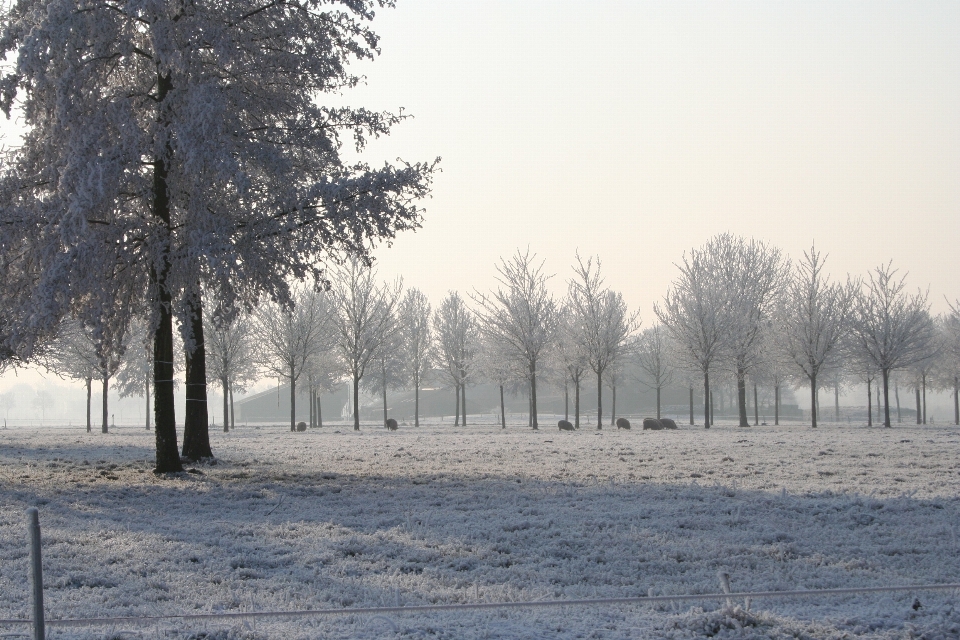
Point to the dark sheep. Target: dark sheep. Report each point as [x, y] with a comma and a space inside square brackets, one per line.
[301, 426]
[668, 423]
[652, 423]
[623, 423]
[565, 425]
[391, 424]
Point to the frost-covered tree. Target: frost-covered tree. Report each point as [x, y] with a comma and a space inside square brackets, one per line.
[602, 323]
[521, 316]
[171, 145]
[363, 320]
[455, 332]
[134, 376]
[417, 341]
[696, 312]
[653, 359]
[571, 358]
[231, 358]
[388, 370]
[812, 320]
[73, 354]
[890, 329]
[498, 364]
[287, 339]
[950, 361]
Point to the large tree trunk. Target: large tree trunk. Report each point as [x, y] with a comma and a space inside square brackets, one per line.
[576, 405]
[706, 399]
[146, 395]
[886, 397]
[196, 425]
[599, 400]
[463, 401]
[869, 405]
[919, 408]
[756, 407]
[226, 408]
[106, 387]
[89, 423]
[742, 397]
[503, 411]
[776, 404]
[356, 402]
[533, 396]
[813, 399]
[165, 420]
[691, 406]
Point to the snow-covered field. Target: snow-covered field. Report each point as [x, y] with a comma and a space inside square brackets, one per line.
[337, 519]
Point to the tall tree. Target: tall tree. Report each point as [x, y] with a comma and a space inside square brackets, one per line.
[603, 323]
[133, 378]
[73, 354]
[455, 329]
[572, 360]
[520, 315]
[363, 320]
[289, 338]
[891, 329]
[190, 139]
[950, 363]
[231, 357]
[414, 319]
[812, 320]
[389, 372]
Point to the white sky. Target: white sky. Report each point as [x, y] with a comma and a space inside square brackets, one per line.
[637, 130]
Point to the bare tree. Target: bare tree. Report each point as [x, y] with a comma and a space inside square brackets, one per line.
[456, 334]
[364, 315]
[652, 357]
[417, 341]
[73, 354]
[287, 339]
[572, 359]
[388, 364]
[521, 316]
[950, 363]
[136, 370]
[811, 321]
[231, 358]
[891, 329]
[695, 312]
[603, 325]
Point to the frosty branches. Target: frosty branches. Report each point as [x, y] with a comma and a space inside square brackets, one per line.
[417, 341]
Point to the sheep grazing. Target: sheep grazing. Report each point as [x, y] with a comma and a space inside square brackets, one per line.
[623, 423]
[301, 426]
[391, 424]
[565, 425]
[652, 423]
[668, 423]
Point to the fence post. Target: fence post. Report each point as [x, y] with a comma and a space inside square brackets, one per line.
[36, 574]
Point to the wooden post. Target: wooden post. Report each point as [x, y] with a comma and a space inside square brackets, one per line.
[36, 574]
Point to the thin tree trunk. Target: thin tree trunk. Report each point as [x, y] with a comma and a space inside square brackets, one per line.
[658, 401]
[869, 405]
[691, 406]
[756, 407]
[711, 408]
[356, 402]
[956, 400]
[896, 394]
[886, 397]
[293, 399]
[836, 401]
[534, 424]
[456, 419]
[503, 411]
[599, 400]
[106, 387]
[196, 424]
[310, 404]
[225, 385]
[416, 403]
[319, 410]
[576, 404]
[879, 408]
[385, 418]
[776, 404]
[923, 380]
[463, 401]
[613, 404]
[89, 424]
[706, 399]
[566, 401]
[233, 424]
[146, 395]
[919, 409]
[813, 399]
[742, 397]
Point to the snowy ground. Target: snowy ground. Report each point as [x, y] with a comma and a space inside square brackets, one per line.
[334, 518]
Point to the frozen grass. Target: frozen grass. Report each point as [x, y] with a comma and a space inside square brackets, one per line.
[439, 514]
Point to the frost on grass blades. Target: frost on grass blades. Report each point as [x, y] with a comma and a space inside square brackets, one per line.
[439, 515]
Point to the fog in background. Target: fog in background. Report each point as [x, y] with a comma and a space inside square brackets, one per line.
[636, 131]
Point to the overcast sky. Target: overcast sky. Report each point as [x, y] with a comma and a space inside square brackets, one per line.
[638, 130]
